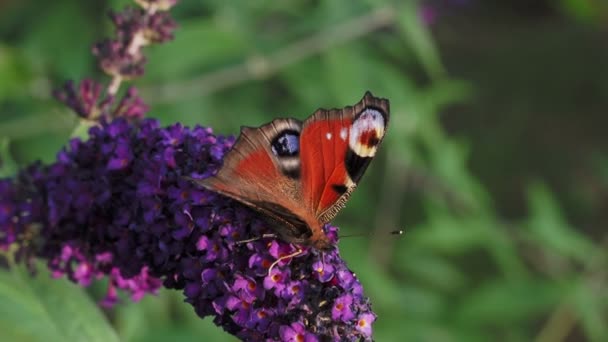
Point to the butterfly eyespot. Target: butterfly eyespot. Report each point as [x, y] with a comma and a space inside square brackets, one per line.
[286, 144]
[367, 132]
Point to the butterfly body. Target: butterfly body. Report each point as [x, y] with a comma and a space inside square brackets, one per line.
[300, 174]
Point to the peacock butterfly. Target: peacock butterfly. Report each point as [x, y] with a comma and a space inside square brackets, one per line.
[300, 174]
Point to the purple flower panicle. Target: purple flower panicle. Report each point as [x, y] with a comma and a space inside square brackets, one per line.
[118, 205]
[122, 58]
[88, 101]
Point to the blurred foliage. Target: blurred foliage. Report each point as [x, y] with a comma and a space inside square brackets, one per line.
[496, 161]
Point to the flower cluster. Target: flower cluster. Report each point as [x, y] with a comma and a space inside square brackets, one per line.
[121, 58]
[88, 101]
[119, 205]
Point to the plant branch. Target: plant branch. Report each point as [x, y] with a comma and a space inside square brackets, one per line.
[259, 67]
[563, 319]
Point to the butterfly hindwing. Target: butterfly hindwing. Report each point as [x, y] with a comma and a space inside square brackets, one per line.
[262, 170]
[250, 168]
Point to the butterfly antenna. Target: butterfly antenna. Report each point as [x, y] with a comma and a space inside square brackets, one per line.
[296, 253]
[393, 232]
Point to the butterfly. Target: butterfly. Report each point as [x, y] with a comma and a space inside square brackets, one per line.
[299, 175]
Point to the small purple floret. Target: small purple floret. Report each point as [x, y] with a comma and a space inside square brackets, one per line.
[296, 332]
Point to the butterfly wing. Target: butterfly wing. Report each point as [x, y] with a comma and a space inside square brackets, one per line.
[336, 147]
[300, 175]
[262, 171]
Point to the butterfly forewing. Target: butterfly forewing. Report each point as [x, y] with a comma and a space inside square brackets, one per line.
[336, 148]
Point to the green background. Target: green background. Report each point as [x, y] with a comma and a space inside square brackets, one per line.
[495, 163]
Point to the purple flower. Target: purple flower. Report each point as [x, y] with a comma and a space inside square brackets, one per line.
[118, 206]
[88, 102]
[295, 290]
[131, 105]
[247, 289]
[277, 279]
[364, 323]
[115, 59]
[135, 28]
[324, 271]
[150, 26]
[83, 100]
[341, 309]
[296, 332]
[260, 319]
[122, 58]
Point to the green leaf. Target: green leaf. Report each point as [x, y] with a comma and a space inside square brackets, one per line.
[390, 296]
[436, 271]
[44, 147]
[38, 122]
[166, 317]
[420, 39]
[446, 233]
[14, 73]
[42, 309]
[197, 46]
[592, 311]
[584, 10]
[346, 72]
[8, 167]
[501, 302]
[60, 36]
[548, 226]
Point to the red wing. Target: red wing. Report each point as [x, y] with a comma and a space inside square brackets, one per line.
[336, 146]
